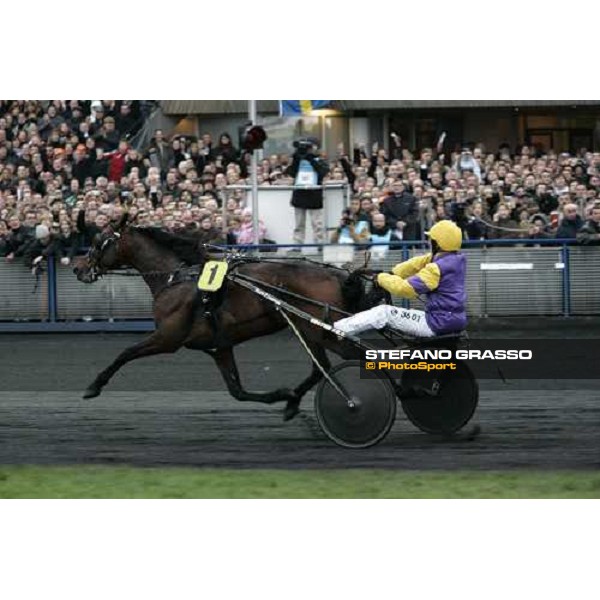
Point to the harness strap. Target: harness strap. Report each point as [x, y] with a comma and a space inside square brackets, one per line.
[211, 307]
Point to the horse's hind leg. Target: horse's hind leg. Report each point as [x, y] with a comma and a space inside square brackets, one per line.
[225, 360]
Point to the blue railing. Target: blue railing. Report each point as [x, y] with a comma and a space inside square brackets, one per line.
[400, 251]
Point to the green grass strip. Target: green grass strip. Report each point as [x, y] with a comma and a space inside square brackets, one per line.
[129, 482]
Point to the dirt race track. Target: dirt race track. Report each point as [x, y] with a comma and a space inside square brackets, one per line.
[173, 410]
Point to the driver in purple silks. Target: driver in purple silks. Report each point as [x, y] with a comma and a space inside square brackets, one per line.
[439, 275]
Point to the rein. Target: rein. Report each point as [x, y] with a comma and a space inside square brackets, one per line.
[237, 258]
[285, 292]
[133, 273]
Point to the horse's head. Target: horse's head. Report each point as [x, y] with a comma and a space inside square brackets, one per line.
[105, 253]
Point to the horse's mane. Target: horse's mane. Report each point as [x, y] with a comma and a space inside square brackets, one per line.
[189, 248]
[186, 246]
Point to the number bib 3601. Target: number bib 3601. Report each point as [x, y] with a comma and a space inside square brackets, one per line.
[212, 276]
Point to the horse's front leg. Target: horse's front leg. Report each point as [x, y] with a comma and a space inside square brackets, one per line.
[225, 360]
[157, 343]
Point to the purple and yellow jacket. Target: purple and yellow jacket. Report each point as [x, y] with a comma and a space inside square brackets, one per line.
[442, 279]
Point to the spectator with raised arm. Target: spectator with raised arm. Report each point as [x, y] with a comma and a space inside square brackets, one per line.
[69, 242]
[467, 162]
[88, 227]
[125, 121]
[159, 153]
[502, 225]
[107, 136]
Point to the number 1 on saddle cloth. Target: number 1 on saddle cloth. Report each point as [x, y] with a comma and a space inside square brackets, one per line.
[213, 275]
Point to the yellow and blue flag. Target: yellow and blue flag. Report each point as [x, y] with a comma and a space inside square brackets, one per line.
[295, 108]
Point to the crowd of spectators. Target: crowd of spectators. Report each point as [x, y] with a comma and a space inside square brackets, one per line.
[524, 194]
[67, 169]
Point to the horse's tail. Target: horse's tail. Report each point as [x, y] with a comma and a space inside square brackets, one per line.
[353, 292]
[356, 298]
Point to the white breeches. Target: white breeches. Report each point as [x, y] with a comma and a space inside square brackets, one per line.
[403, 319]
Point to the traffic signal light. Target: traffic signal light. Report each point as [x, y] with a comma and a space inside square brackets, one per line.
[252, 138]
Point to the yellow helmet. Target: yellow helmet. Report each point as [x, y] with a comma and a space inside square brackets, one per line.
[447, 235]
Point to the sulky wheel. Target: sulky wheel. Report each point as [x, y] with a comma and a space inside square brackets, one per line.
[449, 402]
[372, 416]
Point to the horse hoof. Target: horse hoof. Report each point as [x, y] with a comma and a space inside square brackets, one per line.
[91, 392]
[473, 433]
[290, 411]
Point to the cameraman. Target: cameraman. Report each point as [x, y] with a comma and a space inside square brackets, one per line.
[351, 230]
[308, 169]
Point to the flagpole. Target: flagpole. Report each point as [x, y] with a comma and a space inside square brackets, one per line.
[254, 177]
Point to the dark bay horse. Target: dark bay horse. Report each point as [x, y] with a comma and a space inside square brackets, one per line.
[180, 317]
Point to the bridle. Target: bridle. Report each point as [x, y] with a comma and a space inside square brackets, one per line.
[94, 256]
